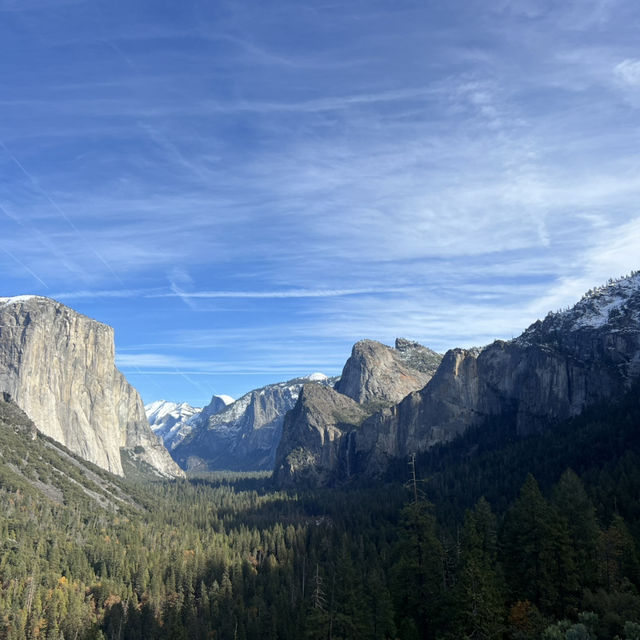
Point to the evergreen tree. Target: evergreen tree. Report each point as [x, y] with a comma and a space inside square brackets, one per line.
[478, 610]
[571, 502]
[418, 572]
[538, 556]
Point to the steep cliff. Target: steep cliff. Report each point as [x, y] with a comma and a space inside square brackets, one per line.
[58, 366]
[216, 405]
[245, 434]
[378, 373]
[311, 443]
[554, 370]
[374, 377]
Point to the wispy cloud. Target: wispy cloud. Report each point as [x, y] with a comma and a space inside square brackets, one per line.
[628, 71]
[88, 294]
[176, 292]
[260, 176]
[58, 210]
[292, 293]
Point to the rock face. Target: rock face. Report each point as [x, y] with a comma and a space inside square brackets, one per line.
[311, 443]
[245, 434]
[317, 439]
[216, 405]
[58, 366]
[554, 370]
[378, 373]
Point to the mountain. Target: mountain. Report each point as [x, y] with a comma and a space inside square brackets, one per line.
[58, 366]
[245, 434]
[555, 370]
[170, 420]
[173, 421]
[375, 376]
[378, 373]
[309, 449]
[217, 404]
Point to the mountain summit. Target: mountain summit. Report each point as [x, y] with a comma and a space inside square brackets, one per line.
[376, 372]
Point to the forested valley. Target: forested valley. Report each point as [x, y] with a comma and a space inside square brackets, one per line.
[492, 536]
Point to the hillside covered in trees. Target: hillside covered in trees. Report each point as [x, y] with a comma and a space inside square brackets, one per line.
[499, 537]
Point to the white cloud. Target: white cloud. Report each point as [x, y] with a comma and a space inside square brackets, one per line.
[292, 293]
[628, 71]
[614, 252]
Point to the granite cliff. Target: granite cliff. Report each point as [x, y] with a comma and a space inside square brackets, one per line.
[243, 435]
[375, 376]
[310, 450]
[58, 366]
[555, 370]
[378, 373]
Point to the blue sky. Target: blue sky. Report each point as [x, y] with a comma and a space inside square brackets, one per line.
[244, 189]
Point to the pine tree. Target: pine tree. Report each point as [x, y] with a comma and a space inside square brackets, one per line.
[572, 503]
[419, 568]
[317, 619]
[537, 552]
[479, 593]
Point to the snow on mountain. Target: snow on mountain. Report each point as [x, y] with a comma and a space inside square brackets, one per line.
[245, 434]
[615, 306]
[174, 421]
[15, 300]
[609, 303]
[317, 377]
[170, 420]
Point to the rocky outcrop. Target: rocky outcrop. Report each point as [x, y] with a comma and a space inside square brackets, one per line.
[311, 443]
[216, 405]
[555, 370]
[312, 447]
[245, 434]
[378, 373]
[59, 367]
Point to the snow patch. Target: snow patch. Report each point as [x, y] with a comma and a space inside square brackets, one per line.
[601, 305]
[317, 377]
[15, 300]
[171, 420]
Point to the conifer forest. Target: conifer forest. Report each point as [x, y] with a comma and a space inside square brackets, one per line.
[491, 536]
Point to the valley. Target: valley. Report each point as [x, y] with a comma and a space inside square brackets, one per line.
[483, 493]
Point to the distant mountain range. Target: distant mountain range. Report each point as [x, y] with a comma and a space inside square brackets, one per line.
[556, 369]
[245, 434]
[238, 435]
[389, 402]
[173, 421]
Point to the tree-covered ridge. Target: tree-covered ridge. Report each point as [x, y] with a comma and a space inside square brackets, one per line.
[228, 557]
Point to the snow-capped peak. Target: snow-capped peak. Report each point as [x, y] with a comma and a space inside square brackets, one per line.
[316, 377]
[170, 420]
[615, 306]
[603, 304]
